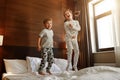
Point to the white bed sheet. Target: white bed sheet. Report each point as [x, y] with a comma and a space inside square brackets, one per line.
[91, 73]
[32, 76]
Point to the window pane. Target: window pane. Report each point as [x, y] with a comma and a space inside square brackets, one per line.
[102, 7]
[105, 33]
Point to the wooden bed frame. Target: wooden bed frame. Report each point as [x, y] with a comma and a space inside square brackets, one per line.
[20, 52]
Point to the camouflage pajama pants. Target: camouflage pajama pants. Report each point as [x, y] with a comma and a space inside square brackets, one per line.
[47, 56]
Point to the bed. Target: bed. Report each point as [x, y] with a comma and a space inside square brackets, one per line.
[17, 69]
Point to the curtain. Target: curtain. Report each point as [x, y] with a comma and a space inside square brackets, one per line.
[116, 19]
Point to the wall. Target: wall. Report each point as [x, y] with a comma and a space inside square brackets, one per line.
[23, 20]
[2, 4]
[104, 58]
[2, 13]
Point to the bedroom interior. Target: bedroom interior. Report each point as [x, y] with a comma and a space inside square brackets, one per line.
[21, 22]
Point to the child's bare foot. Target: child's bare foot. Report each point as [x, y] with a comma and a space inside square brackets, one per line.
[75, 69]
[42, 73]
[67, 68]
[49, 72]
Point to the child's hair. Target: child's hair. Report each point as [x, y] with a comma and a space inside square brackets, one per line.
[76, 14]
[46, 20]
[65, 11]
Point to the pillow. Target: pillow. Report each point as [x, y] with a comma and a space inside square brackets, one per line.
[61, 63]
[34, 64]
[15, 66]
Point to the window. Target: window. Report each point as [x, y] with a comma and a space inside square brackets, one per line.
[101, 25]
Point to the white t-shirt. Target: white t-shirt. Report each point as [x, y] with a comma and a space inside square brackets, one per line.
[71, 32]
[47, 38]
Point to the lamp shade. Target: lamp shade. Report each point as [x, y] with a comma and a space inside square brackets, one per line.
[1, 40]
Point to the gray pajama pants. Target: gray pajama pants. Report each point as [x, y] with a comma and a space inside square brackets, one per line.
[72, 45]
[47, 56]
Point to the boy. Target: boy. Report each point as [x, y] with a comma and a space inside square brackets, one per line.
[45, 45]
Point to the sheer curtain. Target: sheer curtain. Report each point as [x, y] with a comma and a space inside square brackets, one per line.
[116, 18]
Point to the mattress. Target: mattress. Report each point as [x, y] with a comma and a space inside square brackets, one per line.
[90, 73]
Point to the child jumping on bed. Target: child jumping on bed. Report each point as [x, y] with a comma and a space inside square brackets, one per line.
[45, 45]
[71, 28]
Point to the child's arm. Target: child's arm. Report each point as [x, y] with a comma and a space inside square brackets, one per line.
[40, 38]
[39, 43]
[67, 30]
[76, 26]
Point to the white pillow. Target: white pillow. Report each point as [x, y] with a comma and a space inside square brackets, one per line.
[34, 64]
[15, 66]
[62, 63]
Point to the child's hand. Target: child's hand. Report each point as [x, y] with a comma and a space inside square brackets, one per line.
[73, 37]
[39, 48]
[54, 43]
[70, 25]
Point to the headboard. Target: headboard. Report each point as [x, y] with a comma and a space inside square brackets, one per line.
[20, 52]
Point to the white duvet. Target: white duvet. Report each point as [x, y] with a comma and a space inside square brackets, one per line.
[90, 73]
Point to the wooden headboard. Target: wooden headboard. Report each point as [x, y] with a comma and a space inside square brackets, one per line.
[20, 52]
